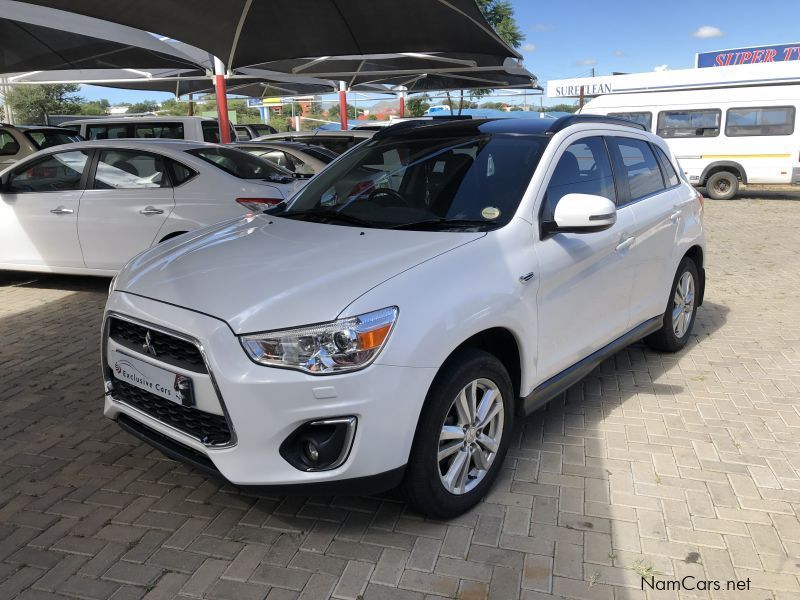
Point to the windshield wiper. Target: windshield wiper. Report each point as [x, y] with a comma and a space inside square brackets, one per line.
[434, 223]
[330, 215]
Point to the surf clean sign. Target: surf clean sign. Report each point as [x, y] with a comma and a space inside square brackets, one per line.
[748, 56]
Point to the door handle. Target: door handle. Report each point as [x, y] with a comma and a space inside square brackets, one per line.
[151, 210]
[62, 211]
[625, 244]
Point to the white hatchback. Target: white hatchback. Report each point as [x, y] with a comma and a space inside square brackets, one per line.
[90, 207]
[390, 322]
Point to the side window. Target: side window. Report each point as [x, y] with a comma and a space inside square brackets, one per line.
[181, 173]
[129, 170]
[57, 173]
[643, 118]
[210, 131]
[277, 157]
[689, 123]
[772, 120]
[171, 131]
[243, 134]
[8, 145]
[639, 167]
[670, 176]
[584, 168]
[96, 132]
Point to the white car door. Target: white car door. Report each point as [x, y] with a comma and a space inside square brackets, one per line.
[129, 200]
[585, 279]
[39, 209]
[658, 200]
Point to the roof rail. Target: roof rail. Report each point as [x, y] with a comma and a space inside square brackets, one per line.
[564, 122]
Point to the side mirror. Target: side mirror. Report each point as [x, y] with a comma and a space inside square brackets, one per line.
[584, 213]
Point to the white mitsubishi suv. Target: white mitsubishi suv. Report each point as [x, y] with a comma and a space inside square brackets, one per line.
[389, 322]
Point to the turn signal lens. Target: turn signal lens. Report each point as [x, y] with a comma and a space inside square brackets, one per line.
[324, 349]
[258, 204]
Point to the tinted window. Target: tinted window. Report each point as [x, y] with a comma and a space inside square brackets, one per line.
[211, 132]
[773, 120]
[241, 164]
[643, 118]
[116, 131]
[689, 123]
[425, 181]
[584, 168]
[242, 133]
[129, 170]
[670, 176]
[321, 154]
[339, 145]
[275, 156]
[8, 145]
[640, 167]
[181, 173]
[57, 173]
[47, 138]
[172, 131]
[260, 129]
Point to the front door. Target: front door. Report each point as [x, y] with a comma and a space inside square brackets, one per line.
[39, 209]
[585, 279]
[127, 203]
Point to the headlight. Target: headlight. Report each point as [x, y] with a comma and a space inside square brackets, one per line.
[324, 349]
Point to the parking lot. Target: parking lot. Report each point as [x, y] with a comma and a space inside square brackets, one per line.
[655, 466]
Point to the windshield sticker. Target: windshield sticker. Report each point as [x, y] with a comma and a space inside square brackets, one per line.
[490, 213]
[490, 166]
[439, 166]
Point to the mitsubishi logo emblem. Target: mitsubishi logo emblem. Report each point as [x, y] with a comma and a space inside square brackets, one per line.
[148, 345]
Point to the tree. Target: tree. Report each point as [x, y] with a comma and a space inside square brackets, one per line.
[333, 112]
[95, 107]
[417, 105]
[146, 106]
[570, 108]
[174, 108]
[32, 103]
[500, 14]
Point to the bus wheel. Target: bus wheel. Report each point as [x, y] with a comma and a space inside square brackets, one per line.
[722, 185]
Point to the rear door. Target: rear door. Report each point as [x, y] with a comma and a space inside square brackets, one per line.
[39, 211]
[127, 201]
[656, 198]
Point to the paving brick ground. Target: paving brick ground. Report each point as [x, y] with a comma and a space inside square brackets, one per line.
[669, 466]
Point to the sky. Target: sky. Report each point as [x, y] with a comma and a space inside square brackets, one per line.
[631, 36]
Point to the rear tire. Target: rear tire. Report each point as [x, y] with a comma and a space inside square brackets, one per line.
[723, 185]
[462, 435]
[679, 316]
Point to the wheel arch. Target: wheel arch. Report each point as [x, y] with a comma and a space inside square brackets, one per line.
[723, 165]
[696, 254]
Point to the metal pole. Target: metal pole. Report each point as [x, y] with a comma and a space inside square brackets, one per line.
[343, 105]
[191, 105]
[8, 115]
[222, 102]
[402, 104]
[580, 103]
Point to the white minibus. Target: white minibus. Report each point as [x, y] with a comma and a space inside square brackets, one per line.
[724, 138]
[196, 129]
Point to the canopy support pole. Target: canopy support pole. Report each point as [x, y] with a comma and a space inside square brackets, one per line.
[222, 102]
[402, 104]
[343, 105]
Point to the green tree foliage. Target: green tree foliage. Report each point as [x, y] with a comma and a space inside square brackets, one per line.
[146, 106]
[570, 108]
[32, 103]
[500, 14]
[417, 105]
[333, 112]
[95, 107]
[174, 108]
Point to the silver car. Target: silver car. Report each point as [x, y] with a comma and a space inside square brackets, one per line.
[304, 160]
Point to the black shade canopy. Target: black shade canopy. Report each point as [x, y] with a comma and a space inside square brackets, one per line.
[248, 32]
[36, 39]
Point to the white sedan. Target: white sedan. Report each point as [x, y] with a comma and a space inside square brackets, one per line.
[89, 207]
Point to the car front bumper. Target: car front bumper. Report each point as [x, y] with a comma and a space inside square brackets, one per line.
[263, 406]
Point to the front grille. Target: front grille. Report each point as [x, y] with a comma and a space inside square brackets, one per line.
[208, 428]
[169, 349]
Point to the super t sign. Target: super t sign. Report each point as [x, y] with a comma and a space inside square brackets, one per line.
[749, 56]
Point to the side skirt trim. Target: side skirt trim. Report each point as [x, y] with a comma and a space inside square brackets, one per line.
[572, 375]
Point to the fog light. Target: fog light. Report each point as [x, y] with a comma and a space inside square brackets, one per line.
[319, 445]
[312, 453]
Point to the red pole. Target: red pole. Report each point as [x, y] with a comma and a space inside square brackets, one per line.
[402, 104]
[343, 106]
[222, 102]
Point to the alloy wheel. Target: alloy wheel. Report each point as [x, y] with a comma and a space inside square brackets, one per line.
[683, 305]
[470, 436]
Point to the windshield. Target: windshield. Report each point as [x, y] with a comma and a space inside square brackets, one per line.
[414, 182]
[241, 164]
[47, 138]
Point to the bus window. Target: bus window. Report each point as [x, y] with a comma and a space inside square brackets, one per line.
[767, 120]
[689, 123]
[643, 118]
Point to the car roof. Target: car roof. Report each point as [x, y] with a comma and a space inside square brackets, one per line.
[37, 127]
[123, 119]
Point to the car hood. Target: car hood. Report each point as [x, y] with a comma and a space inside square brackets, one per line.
[260, 273]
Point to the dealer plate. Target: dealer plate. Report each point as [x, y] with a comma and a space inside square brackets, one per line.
[150, 378]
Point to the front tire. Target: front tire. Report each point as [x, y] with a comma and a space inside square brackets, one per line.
[723, 185]
[462, 436]
[681, 310]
